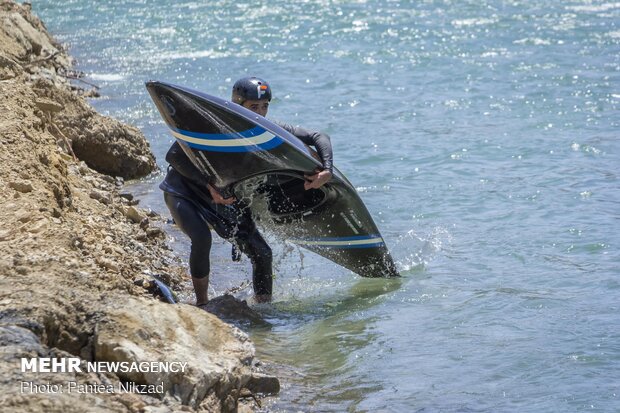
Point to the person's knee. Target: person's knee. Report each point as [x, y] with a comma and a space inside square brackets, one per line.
[255, 247]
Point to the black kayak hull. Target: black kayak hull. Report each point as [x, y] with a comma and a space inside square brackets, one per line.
[245, 155]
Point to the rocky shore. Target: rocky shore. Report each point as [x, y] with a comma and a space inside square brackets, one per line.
[76, 254]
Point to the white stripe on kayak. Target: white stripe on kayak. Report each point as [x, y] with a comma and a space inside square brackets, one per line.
[336, 243]
[254, 140]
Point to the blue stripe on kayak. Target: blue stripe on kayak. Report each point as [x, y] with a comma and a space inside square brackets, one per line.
[255, 131]
[274, 142]
[247, 134]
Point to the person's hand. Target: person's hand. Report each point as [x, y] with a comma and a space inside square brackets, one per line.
[317, 180]
[219, 199]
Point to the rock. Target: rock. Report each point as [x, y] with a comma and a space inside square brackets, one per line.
[154, 232]
[263, 384]
[91, 93]
[21, 186]
[144, 224]
[7, 63]
[217, 355]
[101, 196]
[67, 261]
[233, 310]
[122, 151]
[134, 214]
[24, 216]
[108, 264]
[29, 40]
[39, 226]
[126, 195]
[47, 105]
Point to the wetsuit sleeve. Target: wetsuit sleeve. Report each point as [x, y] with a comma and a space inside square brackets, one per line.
[321, 141]
[181, 163]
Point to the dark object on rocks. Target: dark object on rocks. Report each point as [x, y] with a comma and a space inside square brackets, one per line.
[233, 310]
[263, 384]
[127, 195]
[158, 288]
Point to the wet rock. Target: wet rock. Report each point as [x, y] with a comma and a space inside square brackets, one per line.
[233, 310]
[126, 195]
[91, 93]
[263, 384]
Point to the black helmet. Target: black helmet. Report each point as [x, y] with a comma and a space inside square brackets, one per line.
[250, 88]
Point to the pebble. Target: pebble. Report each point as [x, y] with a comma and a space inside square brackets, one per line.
[24, 216]
[108, 264]
[48, 105]
[126, 195]
[154, 232]
[21, 186]
[100, 196]
[38, 226]
[21, 270]
[134, 214]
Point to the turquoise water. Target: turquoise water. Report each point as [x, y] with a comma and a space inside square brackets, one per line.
[484, 139]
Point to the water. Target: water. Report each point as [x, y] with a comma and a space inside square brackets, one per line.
[483, 137]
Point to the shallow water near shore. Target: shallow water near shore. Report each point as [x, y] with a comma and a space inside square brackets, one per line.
[483, 138]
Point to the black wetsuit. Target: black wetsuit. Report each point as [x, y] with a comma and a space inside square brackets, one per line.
[193, 210]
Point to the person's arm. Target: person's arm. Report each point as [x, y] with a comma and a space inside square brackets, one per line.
[322, 142]
[177, 158]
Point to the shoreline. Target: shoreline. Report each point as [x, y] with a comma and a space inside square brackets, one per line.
[77, 252]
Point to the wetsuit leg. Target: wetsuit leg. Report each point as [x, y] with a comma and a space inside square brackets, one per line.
[191, 222]
[255, 247]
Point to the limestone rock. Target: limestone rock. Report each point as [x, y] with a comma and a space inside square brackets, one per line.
[217, 355]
